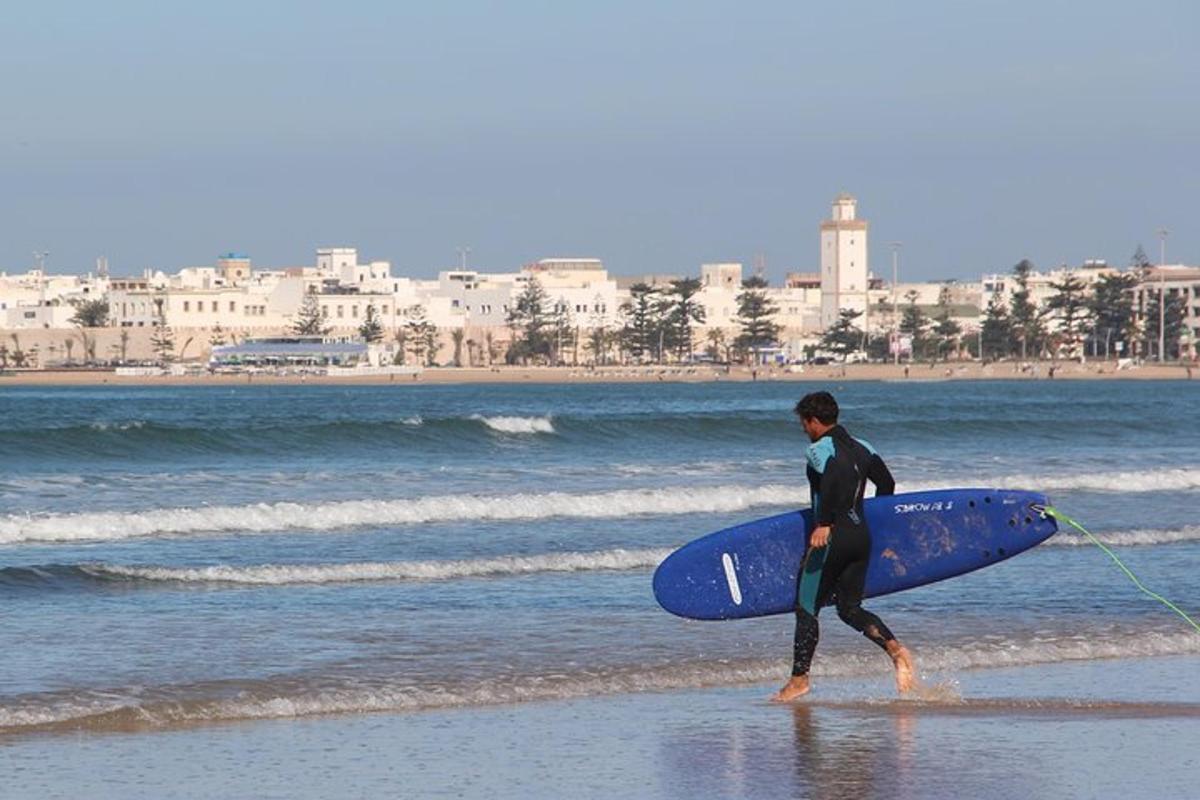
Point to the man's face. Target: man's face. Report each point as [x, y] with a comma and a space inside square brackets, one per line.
[812, 427]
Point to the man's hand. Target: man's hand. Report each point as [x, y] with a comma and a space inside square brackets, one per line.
[820, 536]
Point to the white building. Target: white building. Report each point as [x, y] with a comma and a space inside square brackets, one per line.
[33, 299]
[843, 261]
[1175, 281]
[579, 287]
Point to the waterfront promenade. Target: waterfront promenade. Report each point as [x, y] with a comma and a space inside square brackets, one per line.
[953, 371]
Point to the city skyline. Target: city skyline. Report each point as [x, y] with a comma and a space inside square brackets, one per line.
[655, 138]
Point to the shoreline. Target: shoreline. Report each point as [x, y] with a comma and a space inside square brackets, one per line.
[913, 373]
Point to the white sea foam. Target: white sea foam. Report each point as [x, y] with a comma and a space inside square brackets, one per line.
[118, 426]
[1135, 538]
[1151, 480]
[280, 574]
[264, 517]
[413, 420]
[268, 517]
[290, 697]
[517, 424]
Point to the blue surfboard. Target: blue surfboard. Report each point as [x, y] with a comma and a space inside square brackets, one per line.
[753, 570]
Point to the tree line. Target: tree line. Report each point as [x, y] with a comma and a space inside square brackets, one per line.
[656, 325]
[1101, 320]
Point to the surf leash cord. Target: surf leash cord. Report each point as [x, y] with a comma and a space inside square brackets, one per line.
[1051, 511]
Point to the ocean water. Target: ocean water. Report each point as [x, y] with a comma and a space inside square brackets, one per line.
[187, 561]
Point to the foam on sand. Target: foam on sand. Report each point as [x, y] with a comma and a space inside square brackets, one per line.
[300, 696]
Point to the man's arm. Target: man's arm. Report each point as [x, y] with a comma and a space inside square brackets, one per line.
[881, 476]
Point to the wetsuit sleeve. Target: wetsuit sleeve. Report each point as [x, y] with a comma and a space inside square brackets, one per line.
[878, 473]
[881, 476]
[821, 463]
[838, 486]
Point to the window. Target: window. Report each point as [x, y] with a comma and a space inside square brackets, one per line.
[187, 306]
[354, 311]
[341, 312]
[231, 305]
[325, 312]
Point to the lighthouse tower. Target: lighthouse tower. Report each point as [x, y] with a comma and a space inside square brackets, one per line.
[843, 261]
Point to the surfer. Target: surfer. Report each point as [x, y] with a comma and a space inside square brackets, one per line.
[835, 566]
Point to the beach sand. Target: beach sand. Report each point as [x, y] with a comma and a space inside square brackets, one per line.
[450, 375]
[1069, 730]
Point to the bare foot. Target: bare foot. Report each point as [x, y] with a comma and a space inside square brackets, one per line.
[797, 687]
[906, 678]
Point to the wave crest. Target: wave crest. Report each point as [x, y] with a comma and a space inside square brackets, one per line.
[264, 517]
[284, 574]
[517, 424]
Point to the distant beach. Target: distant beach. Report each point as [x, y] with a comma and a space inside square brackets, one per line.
[1005, 370]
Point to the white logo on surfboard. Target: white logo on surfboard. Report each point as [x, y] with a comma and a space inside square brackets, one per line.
[735, 591]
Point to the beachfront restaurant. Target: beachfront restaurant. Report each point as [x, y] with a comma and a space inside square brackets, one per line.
[289, 351]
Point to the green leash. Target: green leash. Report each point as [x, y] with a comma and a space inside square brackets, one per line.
[1054, 512]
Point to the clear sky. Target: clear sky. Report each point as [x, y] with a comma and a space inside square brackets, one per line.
[654, 135]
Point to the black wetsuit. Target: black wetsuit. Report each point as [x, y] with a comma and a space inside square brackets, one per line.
[839, 467]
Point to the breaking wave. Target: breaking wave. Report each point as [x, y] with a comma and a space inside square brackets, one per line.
[285, 516]
[1152, 480]
[517, 424]
[1136, 538]
[264, 517]
[287, 574]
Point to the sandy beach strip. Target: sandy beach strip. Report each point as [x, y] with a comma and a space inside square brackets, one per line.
[629, 374]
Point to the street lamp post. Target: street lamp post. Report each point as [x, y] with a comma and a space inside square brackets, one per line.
[1162, 292]
[895, 308]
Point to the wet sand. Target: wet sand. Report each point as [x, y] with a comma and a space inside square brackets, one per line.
[1067, 730]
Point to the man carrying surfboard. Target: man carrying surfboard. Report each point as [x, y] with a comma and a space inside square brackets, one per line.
[835, 561]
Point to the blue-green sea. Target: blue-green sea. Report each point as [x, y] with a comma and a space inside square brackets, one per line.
[186, 559]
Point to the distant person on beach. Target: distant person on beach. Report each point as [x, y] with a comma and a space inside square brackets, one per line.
[839, 467]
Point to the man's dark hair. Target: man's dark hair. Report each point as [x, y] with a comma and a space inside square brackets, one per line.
[820, 406]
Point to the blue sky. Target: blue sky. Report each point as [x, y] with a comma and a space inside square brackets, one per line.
[653, 135]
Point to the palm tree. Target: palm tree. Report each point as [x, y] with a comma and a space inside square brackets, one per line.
[457, 336]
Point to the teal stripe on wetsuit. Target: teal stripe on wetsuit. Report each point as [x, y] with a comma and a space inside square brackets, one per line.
[817, 455]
